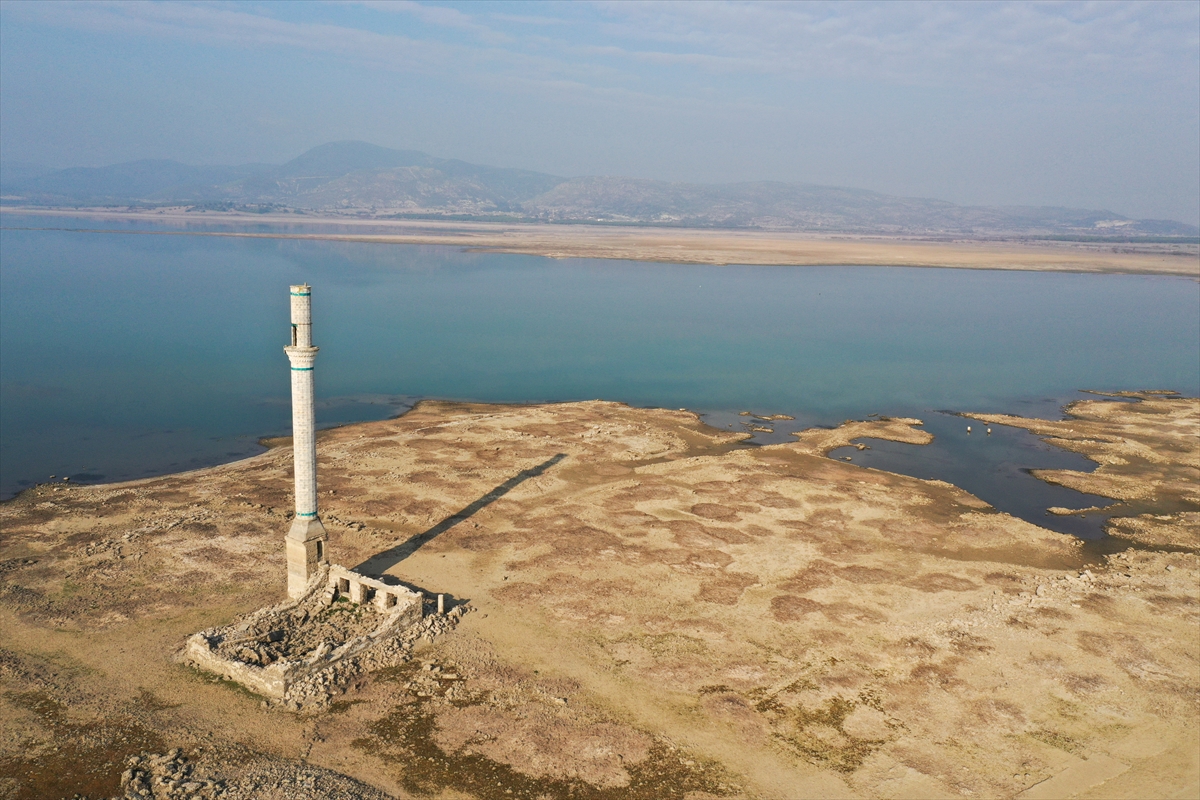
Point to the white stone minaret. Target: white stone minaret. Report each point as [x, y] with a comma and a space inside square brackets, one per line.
[307, 539]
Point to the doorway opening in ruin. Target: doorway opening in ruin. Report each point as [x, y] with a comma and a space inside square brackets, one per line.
[320, 551]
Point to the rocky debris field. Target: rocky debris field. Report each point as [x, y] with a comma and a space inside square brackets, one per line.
[172, 776]
[299, 632]
[166, 776]
[658, 611]
[315, 692]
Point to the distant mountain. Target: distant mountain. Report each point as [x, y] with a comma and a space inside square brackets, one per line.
[341, 158]
[134, 181]
[805, 207]
[357, 175]
[367, 180]
[16, 172]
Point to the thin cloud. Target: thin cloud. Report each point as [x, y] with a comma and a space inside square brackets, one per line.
[928, 43]
[675, 47]
[217, 25]
[442, 16]
[529, 19]
[224, 26]
[229, 26]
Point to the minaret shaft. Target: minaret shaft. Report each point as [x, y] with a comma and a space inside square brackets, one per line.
[304, 435]
[307, 539]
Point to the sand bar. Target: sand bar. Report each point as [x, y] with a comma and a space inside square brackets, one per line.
[688, 246]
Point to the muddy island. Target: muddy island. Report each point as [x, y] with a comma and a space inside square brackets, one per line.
[656, 610]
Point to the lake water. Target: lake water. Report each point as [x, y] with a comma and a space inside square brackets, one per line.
[125, 355]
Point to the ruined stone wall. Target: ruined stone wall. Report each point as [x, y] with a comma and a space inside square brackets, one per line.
[398, 607]
[361, 589]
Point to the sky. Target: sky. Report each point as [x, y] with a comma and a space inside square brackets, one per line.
[1090, 105]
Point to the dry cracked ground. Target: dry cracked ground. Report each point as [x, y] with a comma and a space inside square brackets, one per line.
[659, 611]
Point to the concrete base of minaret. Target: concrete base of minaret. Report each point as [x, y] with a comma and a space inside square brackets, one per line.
[307, 543]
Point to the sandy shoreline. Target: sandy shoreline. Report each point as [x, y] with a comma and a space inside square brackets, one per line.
[684, 246]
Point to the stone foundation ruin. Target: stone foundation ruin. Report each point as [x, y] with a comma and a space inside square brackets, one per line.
[304, 650]
[336, 623]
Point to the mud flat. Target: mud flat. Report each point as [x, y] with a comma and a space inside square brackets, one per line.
[659, 612]
[681, 245]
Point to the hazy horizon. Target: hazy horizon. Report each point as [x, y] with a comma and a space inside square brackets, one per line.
[1066, 105]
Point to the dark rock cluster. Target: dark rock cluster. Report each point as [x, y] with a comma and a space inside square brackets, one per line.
[161, 776]
[172, 776]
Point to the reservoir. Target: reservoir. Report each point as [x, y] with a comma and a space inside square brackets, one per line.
[126, 355]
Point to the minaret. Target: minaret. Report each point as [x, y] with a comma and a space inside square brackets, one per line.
[307, 539]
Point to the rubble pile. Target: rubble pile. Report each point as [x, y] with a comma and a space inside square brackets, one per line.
[171, 776]
[318, 689]
[165, 777]
[314, 625]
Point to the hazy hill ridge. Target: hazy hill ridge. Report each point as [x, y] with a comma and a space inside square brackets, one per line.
[365, 179]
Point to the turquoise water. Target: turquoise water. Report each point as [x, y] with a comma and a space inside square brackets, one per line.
[124, 355]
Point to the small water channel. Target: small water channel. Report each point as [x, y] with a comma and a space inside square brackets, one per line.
[994, 467]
